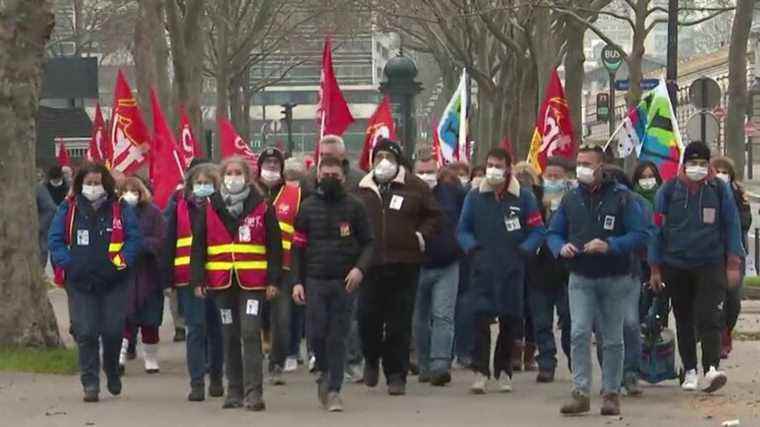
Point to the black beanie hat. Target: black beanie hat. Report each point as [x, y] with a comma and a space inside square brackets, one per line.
[390, 146]
[696, 150]
[269, 153]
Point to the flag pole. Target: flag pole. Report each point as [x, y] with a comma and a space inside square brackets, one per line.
[462, 145]
[607, 144]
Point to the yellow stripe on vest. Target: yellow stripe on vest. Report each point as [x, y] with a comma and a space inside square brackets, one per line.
[287, 244]
[183, 260]
[247, 265]
[184, 242]
[115, 247]
[287, 228]
[236, 248]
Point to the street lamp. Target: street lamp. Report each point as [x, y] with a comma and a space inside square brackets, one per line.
[400, 86]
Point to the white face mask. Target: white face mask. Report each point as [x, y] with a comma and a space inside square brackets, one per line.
[93, 192]
[131, 198]
[464, 180]
[475, 183]
[495, 176]
[430, 179]
[696, 173]
[234, 183]
[724, 177]
[385, 170]
[647, 183]
[584, 174]
[56, 182]
[270, 177]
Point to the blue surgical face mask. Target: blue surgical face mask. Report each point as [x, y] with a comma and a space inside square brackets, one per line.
[554, 186]
[203, 190]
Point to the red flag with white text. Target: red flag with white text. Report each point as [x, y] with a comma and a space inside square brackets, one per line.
[63, 154]
[380, 126]
[232, 144]
[553, 134]
[128, 134]
[188, 144]
[100, 148]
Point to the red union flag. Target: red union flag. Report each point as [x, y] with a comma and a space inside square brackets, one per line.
[553, 135]
[188, 144]
[129, 135]
[99, 150]
[232, 144]
[380, 126]
[63, 153]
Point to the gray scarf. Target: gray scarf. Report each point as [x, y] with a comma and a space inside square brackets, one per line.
[234, 202]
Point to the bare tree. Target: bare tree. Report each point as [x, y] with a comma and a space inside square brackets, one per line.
[26, 316]
[737, 82]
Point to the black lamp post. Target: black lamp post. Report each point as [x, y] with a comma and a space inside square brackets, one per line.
[672, 61]
[400, 72]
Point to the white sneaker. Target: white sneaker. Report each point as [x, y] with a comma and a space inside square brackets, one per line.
[123, 353]
[150, 356]
[291, 364]
[715, 380]
[480, 386]
[691, 381]
[505, 384]
[312, 363]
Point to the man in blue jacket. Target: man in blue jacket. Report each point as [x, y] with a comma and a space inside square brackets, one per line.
[595, 228]
[695, 255]
[500, 226]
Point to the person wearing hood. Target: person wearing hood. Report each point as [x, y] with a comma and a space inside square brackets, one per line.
[332, 254]
[695, 257]
[237, 259]
[500, 227]
[56, 184]
[596, 228]
[405, 217]
[286, 200]
[94, 242]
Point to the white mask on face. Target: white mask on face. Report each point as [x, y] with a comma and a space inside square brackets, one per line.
[385, 171]
[56, 182]
[234, 183]
[430, 179]
[131, 198]
[475, 183]
[724, 177]
[93, 192]
[270, 177]
[584, 174]
[464, 180]
[647, 183]
[495, 176]
[696, 173]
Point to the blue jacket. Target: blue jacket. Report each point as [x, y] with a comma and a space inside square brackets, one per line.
[609, 214]
[695, 228]
[499, 235]
[443, 249]
[87, 265]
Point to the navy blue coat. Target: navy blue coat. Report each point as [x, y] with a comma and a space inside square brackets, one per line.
[499, 234]
[88, 267]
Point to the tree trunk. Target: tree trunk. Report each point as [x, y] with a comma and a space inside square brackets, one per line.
[222, 70]
[636, 56]
[26, 316]
[145, 60]
[575, 74]
[737, 83]
[161, 53]
[527, 106]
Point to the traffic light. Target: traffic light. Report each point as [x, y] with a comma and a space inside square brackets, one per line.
[287, 119]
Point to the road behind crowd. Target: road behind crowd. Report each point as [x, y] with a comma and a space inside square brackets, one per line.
[159, 400]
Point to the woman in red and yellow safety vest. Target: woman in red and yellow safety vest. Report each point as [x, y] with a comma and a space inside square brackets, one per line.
[239, 241]
[94, 243]
[204, 326]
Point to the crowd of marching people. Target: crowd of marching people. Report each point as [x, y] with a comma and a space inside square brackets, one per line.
[403, 269]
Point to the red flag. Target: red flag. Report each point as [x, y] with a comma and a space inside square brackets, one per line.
[63, 154]
[333, 113]
[166, 162]
[437, 147]
[554, 134]
[380, 125]
[232, 144]
[190, 146]
[99, 150]
[129, 136]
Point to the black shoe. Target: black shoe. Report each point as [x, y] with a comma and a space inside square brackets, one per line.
[440, 379]
[114, 385]
[91, 395]
[131, 355]
[424, 378]
[545, 376]
[216, 387]
[371, 374]
[413, 368]
[122, 370]
[196, 394]
[396, 388]
[179, 334]
[256, 405]
[234, 400]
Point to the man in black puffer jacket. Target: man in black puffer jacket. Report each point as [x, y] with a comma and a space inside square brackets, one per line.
[332, 252]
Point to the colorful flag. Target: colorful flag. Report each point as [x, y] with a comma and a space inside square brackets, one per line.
[452, 128]
[63, 154]
[232, 144]
[651, 130]
[380, 126]
[437, 147]
[99, 150]
[190, 146]
[553, 135]
[166, 161]
[129, 136]
[333, 112]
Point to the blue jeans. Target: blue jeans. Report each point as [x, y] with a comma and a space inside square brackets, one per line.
[542, 304]
[631, 332]
[204, 348]
[98, 318]
[329, 316]
[434, 317]
[606, 298]
[464, 320]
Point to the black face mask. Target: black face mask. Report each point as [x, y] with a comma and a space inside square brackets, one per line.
[331, 188]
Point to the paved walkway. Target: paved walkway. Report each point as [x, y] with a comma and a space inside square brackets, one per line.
[159, 400]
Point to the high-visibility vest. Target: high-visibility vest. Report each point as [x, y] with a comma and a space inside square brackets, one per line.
[244, 254]
[286, 205]
[114, 247]
[184, 243]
